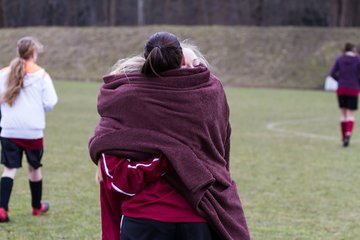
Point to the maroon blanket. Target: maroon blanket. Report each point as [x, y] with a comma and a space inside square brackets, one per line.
[183, 115]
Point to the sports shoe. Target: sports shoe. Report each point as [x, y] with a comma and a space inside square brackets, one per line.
[43, 209]
[3, 215]
[346, 141]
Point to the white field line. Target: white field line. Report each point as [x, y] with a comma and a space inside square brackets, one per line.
[280, 127]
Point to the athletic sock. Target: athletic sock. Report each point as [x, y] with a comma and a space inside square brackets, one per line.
[349, 127]
[6, 186]
[343, 126]
[36, 192]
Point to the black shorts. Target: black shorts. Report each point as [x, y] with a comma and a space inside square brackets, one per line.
[144, 229]
[348, 102]
[11, 155]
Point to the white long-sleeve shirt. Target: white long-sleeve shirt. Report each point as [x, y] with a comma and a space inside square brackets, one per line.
[25, 119]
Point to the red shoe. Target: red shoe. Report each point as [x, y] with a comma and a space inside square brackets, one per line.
[3, 215]
[43, 209]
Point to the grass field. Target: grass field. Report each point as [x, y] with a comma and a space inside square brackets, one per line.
[294, 178]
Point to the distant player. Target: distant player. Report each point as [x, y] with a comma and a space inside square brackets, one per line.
[26, 94]
[346, 71]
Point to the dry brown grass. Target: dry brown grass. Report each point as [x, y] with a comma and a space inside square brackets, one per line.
[285, 57]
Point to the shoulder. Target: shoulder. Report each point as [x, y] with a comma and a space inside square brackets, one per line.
[4, 72]
[46, 80]
[45, 74]
[339, 58]
[4, 69]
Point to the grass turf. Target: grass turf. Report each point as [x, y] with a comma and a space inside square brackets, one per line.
[293, 185]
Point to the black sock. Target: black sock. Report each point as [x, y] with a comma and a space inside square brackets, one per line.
[6, 186]
[36, 192]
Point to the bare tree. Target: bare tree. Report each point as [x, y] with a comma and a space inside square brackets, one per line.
[259, 8]
[357, 15]
[345, 13]
[204, 18]
[2, 17]
[140, 12]
[14, 13]
[350, 13]
[105, 11]
[113, 12]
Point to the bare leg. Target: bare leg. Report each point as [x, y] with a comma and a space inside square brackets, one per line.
[34, 174]
[350, 115]
[343, 114]
[9, 172]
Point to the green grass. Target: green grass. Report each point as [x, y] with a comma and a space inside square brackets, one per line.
[292, 187]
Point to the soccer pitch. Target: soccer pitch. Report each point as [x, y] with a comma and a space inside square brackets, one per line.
[293, 176]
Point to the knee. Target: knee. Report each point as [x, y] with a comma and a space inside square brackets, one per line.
[34, 174]
[9, 172]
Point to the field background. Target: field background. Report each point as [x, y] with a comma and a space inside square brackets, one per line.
[294, 178]
[281, 57]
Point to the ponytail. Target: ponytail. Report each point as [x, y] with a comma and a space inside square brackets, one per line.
[15, 80]
[27, 48]
[162, 52]
[154, 63]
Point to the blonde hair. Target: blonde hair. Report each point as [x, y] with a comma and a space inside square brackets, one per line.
[128, 65]
[27, 47]
[193, 56]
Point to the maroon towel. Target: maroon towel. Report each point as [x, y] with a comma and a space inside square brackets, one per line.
[184, 115]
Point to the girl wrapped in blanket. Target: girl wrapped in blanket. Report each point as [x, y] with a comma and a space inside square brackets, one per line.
[157, 200]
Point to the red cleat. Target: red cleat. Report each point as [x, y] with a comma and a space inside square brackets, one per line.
[3, 215]
[45, 206]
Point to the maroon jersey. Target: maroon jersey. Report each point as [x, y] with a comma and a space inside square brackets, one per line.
[137, 189]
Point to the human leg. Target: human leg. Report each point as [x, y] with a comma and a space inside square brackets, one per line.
[350, 122]
[35, 181]
[343, 123]
[6, 185]
[11, 156]
[350, 118]
[348, 105]
[9, 172]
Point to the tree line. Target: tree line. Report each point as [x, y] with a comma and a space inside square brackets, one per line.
[18, 13]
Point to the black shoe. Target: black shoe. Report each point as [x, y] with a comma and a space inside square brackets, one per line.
[346, 141]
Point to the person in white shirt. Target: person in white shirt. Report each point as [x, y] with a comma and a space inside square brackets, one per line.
[26, 94]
